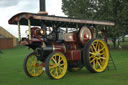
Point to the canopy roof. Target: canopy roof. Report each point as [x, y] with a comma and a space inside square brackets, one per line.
[49, 20]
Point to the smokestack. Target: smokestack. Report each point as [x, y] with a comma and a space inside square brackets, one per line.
[42, 7]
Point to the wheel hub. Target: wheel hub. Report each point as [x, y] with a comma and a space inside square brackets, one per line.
[98, 55]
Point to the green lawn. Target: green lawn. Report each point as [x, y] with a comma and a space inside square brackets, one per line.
[123, 44]
[11, 71]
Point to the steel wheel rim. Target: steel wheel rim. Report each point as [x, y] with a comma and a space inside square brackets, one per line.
[58, 66]
[34, 67]
[98, 55]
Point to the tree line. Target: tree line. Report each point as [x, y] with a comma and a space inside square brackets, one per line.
[109, 10]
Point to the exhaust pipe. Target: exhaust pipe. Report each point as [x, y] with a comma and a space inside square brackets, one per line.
[42, 7]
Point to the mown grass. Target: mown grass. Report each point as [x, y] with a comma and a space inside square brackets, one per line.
[11, 71]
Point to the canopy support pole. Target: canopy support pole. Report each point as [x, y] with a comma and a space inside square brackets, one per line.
[19, 33]
[29, 29]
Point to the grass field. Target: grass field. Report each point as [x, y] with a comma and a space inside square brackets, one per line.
[11, 71]
[124, 44]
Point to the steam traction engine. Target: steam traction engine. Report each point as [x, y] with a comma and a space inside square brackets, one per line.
[60, 44]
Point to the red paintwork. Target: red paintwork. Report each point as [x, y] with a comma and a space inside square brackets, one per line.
[68, 55]
[73, 46]
[76, 55]
[26, 41]
[72, 40]
[59, 47]
[36, 37]
[85, 38]
[71, 54]
[35, 32]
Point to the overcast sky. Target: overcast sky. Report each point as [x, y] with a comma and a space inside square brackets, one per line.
[8, 8]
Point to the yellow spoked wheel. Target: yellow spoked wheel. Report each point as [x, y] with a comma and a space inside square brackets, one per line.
[56, 65]
[32, 66]
[96, 55]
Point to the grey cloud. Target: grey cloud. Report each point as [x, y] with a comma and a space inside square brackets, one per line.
[6, 3]
[29, 5]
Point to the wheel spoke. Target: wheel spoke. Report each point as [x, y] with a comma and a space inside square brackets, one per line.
[59, 60]
[52, 66]
[56, 72]
[29, 61]
[54, 59]
[100, 61]
[51, 70]
[91, 57]
[102, 49]
[33, 58]
[96, 62]
[62, 64]
[99, 64]
[99, 47]
[60, 70]
[97, 44]
[94, 47]
[92, 53]
[33, 70]
[92, 60]
[102, 53]
[29, 67]
[94, 65]
[102, 58]
[29, 64]
[38, 69]
[91, 48]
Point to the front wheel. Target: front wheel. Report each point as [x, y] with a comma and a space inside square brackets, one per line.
[32, 66]
[56, 65]
[96, 55]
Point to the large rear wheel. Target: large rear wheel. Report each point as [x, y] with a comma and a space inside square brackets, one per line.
[32, 66]
[56, 65]
[96, 55]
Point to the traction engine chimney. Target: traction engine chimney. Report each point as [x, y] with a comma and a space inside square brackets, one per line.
[42, 7]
